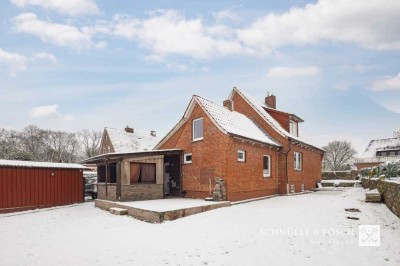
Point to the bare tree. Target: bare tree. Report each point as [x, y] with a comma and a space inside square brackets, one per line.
[90, 140]
[338, 154]
[397, 133]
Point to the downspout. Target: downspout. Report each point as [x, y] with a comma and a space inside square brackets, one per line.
[287, 166]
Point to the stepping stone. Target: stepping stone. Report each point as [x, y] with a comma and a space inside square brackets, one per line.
[373, 196]
[118, 211]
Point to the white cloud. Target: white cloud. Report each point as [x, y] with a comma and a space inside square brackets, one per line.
[57, 34]
[16, 62]
[46, 57]
[369, 23]
[69, 7]
[292, 72]
[226, 15]
[385, 84]
[49, 112]
[169, 32]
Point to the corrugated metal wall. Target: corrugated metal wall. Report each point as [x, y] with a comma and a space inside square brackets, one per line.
[23, 188]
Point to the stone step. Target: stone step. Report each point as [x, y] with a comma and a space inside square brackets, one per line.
[118, 211]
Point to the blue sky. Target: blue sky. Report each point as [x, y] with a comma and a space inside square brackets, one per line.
[88, 64]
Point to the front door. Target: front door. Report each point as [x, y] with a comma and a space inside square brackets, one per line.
[172, 175]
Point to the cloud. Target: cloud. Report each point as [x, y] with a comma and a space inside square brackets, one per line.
[386, 84]
[16, 62]
[167, 32]
[49, 112]
[369, 23]
[45, 57]
[226, 15]
[292, 72]
[68, 7]
[57, 34]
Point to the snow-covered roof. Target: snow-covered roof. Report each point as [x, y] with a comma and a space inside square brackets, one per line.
[30, 164]
[235, 123]
[260, 108]
[381, 145]
[123, 141]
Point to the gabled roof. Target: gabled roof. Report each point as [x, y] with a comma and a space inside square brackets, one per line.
[260, 107]
[30, 164]
[229, 122]
[123, 141]
[376, 145]
[235, 123]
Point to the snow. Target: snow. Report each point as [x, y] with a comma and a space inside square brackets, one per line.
[237, 235]
[260, 107]
[163, 205]
[235, 123]
[340, 181]
[31, 164]
[123, 141]
[381, 145]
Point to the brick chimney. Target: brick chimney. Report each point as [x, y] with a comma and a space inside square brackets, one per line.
[228, 104]
[270, 101]
[153, 133]
[129, 129]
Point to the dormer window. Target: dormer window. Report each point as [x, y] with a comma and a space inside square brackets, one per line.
[293, 128]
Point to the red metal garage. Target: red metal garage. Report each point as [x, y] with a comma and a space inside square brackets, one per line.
[29, 185]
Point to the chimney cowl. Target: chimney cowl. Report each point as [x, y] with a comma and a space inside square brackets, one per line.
[129, 129]
[228, 104]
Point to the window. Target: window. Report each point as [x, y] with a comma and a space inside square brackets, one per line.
[293, 128]
[302, 187]
[187, 158]
[292, 189]
[198, 129]
[392, 153]
[142, 173]
[109, 149]
[241, 156]
[266, 166]
[297, 161]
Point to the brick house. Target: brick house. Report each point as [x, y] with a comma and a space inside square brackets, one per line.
[255, 148]
[379, 151]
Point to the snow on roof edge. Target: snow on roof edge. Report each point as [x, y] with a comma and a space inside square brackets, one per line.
[32, 164]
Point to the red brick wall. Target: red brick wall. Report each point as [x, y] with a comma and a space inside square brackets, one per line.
[105, 143]
[282, 119]
[245, 179]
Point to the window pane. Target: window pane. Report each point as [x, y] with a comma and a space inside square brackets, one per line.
[198, 129]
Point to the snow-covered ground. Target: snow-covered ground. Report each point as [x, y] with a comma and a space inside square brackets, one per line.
[308, 229]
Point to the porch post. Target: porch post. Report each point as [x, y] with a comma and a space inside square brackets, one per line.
[107, 177]
[118, 169]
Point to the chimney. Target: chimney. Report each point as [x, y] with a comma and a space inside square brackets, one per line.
[129, 129]
[153, 133]
[228, 104]
[270, 101]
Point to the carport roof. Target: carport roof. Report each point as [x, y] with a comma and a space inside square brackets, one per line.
[120, 155]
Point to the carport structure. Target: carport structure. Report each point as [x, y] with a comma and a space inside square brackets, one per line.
[141, 175]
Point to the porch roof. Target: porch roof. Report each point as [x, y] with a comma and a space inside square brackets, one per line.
[121, 155]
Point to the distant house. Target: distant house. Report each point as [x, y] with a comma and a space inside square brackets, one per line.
[379, 151]
[118, 141]
[254, 147]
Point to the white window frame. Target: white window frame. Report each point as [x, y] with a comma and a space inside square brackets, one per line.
[298, 161]
[193, 122]
[185, 161]
[267, 174]
[302, 188]
[292, 189]
[293, 128]
[244, 156]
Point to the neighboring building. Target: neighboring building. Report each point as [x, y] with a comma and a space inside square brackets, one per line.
[116, 140]
[250, 144]
[255, 148]
[379, 151]
[26, 185]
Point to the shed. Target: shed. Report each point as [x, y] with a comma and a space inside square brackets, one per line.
[26, 185]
